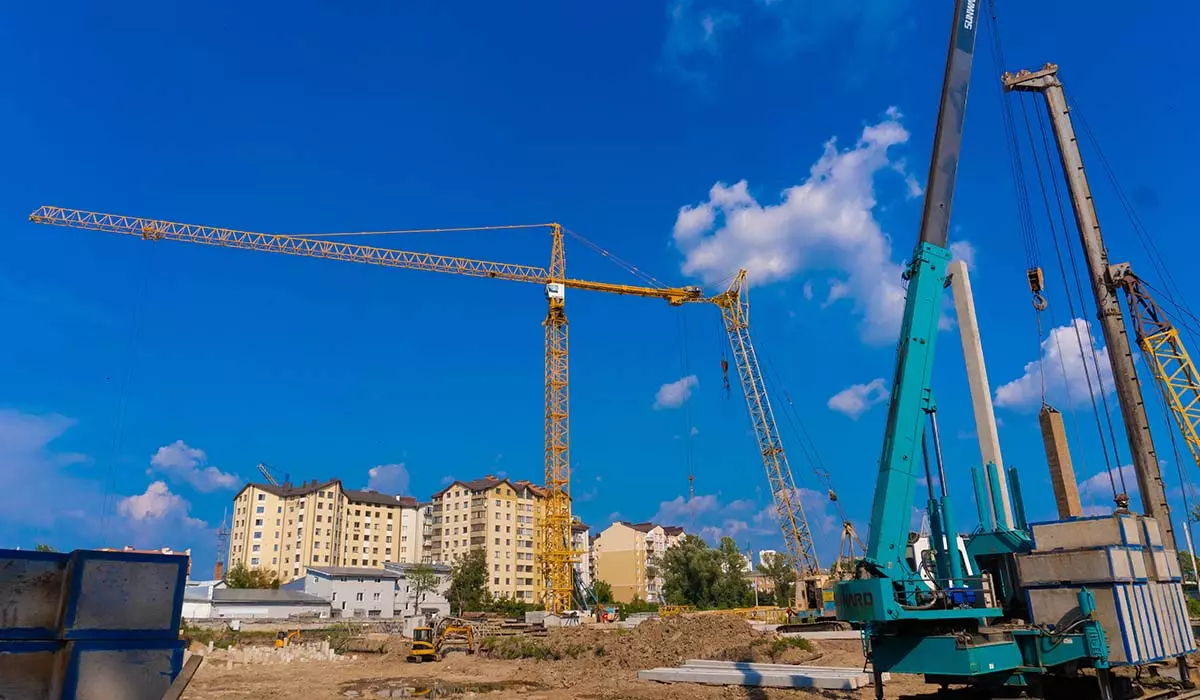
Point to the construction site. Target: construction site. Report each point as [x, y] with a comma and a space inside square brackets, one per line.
[932, 596]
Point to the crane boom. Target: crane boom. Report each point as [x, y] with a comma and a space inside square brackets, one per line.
[1172, 366]
[912, 393]
[303, 246]
[797, 538]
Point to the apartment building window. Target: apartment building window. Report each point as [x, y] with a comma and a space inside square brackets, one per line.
[302, 504]
[376, 596]
[358, 511]
[258, 509]
[254, 548]
[274, 560]
[254, 561]
[506, 581]
[258, 522]
[258, 535]
[320, 505]
[497, 567]
[316, 545]
[276, 548]
[389, 515]
[497, 540]
[262, 497]
[318, 518]
[496, 581]
[300, 518]
[508, 567]
[497, 528]
[497, 502]
[389, 527]
[389, 539]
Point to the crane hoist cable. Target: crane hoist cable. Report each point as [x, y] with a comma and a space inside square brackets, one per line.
[1030, 241]
[1092, 352]
[1152, 252]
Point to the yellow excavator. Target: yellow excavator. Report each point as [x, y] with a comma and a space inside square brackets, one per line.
[285, 638]
[433, 643]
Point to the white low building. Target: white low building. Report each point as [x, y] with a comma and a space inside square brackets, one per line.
[432, 603]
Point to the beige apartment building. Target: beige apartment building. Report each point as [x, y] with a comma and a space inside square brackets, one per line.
[629, 556]
[501, 517]
[288, 528]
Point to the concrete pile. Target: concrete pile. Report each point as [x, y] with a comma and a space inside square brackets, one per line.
[293, 653]
[761, 675]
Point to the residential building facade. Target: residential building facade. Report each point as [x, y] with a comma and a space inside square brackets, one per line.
[286, 528]
[502, 518]
[629, 557]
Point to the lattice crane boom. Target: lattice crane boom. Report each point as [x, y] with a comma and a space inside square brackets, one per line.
[1172, 366]
[797, 537]
[558, 556]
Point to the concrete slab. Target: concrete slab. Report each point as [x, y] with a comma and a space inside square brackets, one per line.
[831, 634]
[781, 668]
[766, 679]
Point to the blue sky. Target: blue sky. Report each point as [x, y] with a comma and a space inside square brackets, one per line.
[140, 383]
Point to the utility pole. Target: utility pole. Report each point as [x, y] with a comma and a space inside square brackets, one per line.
[1112, 321]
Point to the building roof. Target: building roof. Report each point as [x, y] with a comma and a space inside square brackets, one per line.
[490, 482]
[265, 595]
[648, 526]
[403, 567]
[377, 498]
[287, 490]
[579, 527]
[351, 572]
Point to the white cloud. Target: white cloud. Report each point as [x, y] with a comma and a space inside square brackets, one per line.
[808, 290]
[447, 480]
[857, 399]
[157, 504]
[1067, 371]
[388, 478]
[963, 250]
[694, 34]
[694, 431]
[680, 510]
[1098, 489]
[674, 394]
[826, 223]
[188, 464]
[30, 459]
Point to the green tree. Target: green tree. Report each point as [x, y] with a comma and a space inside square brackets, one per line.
[1185, 565]
[239, 576]
[731, 588]
[775, 567]
[690, 571]
[421, 579]
[45, 548]
[468, 582]
[603, 592]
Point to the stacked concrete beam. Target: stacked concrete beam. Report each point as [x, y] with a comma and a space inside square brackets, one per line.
[760, 675]
[89, 624]
[1135, 581]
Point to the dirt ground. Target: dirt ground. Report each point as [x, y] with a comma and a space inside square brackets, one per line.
[584, 663]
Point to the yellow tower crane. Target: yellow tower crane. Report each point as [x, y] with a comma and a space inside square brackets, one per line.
[558, 556]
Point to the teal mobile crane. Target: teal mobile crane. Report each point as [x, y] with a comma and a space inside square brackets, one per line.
[968, 620]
